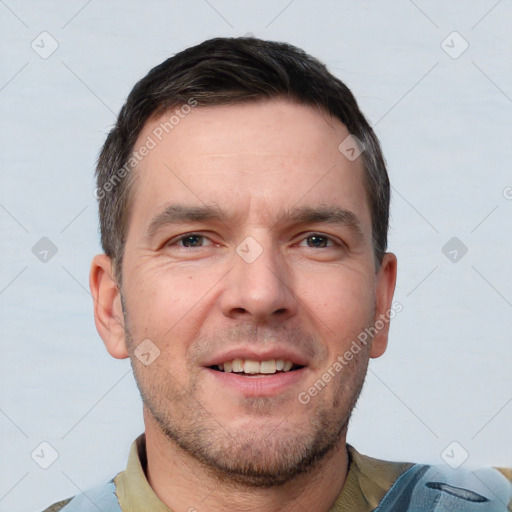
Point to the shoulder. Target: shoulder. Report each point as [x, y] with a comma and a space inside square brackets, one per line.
[368, 480]
[389, 486]
[426, 487]
[102, 497]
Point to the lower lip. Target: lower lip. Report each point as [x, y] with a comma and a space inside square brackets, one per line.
[268, 385]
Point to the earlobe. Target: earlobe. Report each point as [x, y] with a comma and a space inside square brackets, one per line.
[385, 288]
[108, 314]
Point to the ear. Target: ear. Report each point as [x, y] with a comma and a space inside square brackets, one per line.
[108, 314]
[385, 288]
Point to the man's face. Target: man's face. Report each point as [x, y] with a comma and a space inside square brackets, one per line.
[280, 270]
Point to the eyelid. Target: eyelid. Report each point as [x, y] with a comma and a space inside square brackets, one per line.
[332, 238]
[175, 240]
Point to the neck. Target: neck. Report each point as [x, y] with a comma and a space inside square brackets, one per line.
[185, 485]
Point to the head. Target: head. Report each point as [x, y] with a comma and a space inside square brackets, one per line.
[236, 232]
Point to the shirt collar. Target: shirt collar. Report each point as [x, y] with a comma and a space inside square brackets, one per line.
[132, 487]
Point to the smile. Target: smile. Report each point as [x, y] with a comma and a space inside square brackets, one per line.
[252, 367]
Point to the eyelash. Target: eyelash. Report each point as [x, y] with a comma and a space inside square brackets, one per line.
[335, 241]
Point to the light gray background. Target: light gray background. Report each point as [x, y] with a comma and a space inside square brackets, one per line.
[445, 126]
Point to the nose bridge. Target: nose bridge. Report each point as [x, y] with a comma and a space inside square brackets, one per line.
[259, 281]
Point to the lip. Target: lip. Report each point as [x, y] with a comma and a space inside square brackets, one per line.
[244, 352]
[265, 385]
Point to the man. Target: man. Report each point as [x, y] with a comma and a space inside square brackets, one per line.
[244, 206]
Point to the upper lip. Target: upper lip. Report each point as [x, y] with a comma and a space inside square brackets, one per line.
[286, 353]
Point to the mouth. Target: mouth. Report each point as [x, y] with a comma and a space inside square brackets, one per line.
[250, 372]
[254, 368]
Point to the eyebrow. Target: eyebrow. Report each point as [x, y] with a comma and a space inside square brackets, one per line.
[179, 213]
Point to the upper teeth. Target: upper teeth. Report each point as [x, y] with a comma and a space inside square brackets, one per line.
[253, 367]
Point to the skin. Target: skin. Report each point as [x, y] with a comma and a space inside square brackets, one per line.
[210, 446]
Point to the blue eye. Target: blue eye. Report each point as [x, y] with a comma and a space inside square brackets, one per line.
[196, 240]
[191, 240]
[317, 240]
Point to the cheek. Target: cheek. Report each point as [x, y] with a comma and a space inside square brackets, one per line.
[165, 304]
[342, 300]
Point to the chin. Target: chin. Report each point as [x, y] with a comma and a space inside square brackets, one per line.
[258, 453]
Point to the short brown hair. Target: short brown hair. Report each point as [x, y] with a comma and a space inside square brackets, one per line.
[223, 71]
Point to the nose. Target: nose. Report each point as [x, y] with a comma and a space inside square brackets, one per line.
[259, 287]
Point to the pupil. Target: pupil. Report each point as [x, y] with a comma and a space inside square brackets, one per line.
[317, 241]
[191, 240]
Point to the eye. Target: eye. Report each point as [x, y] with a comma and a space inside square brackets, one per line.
[317, 240]
[190, 240]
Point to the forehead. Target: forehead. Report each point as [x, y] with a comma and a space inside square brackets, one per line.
[257, 157]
